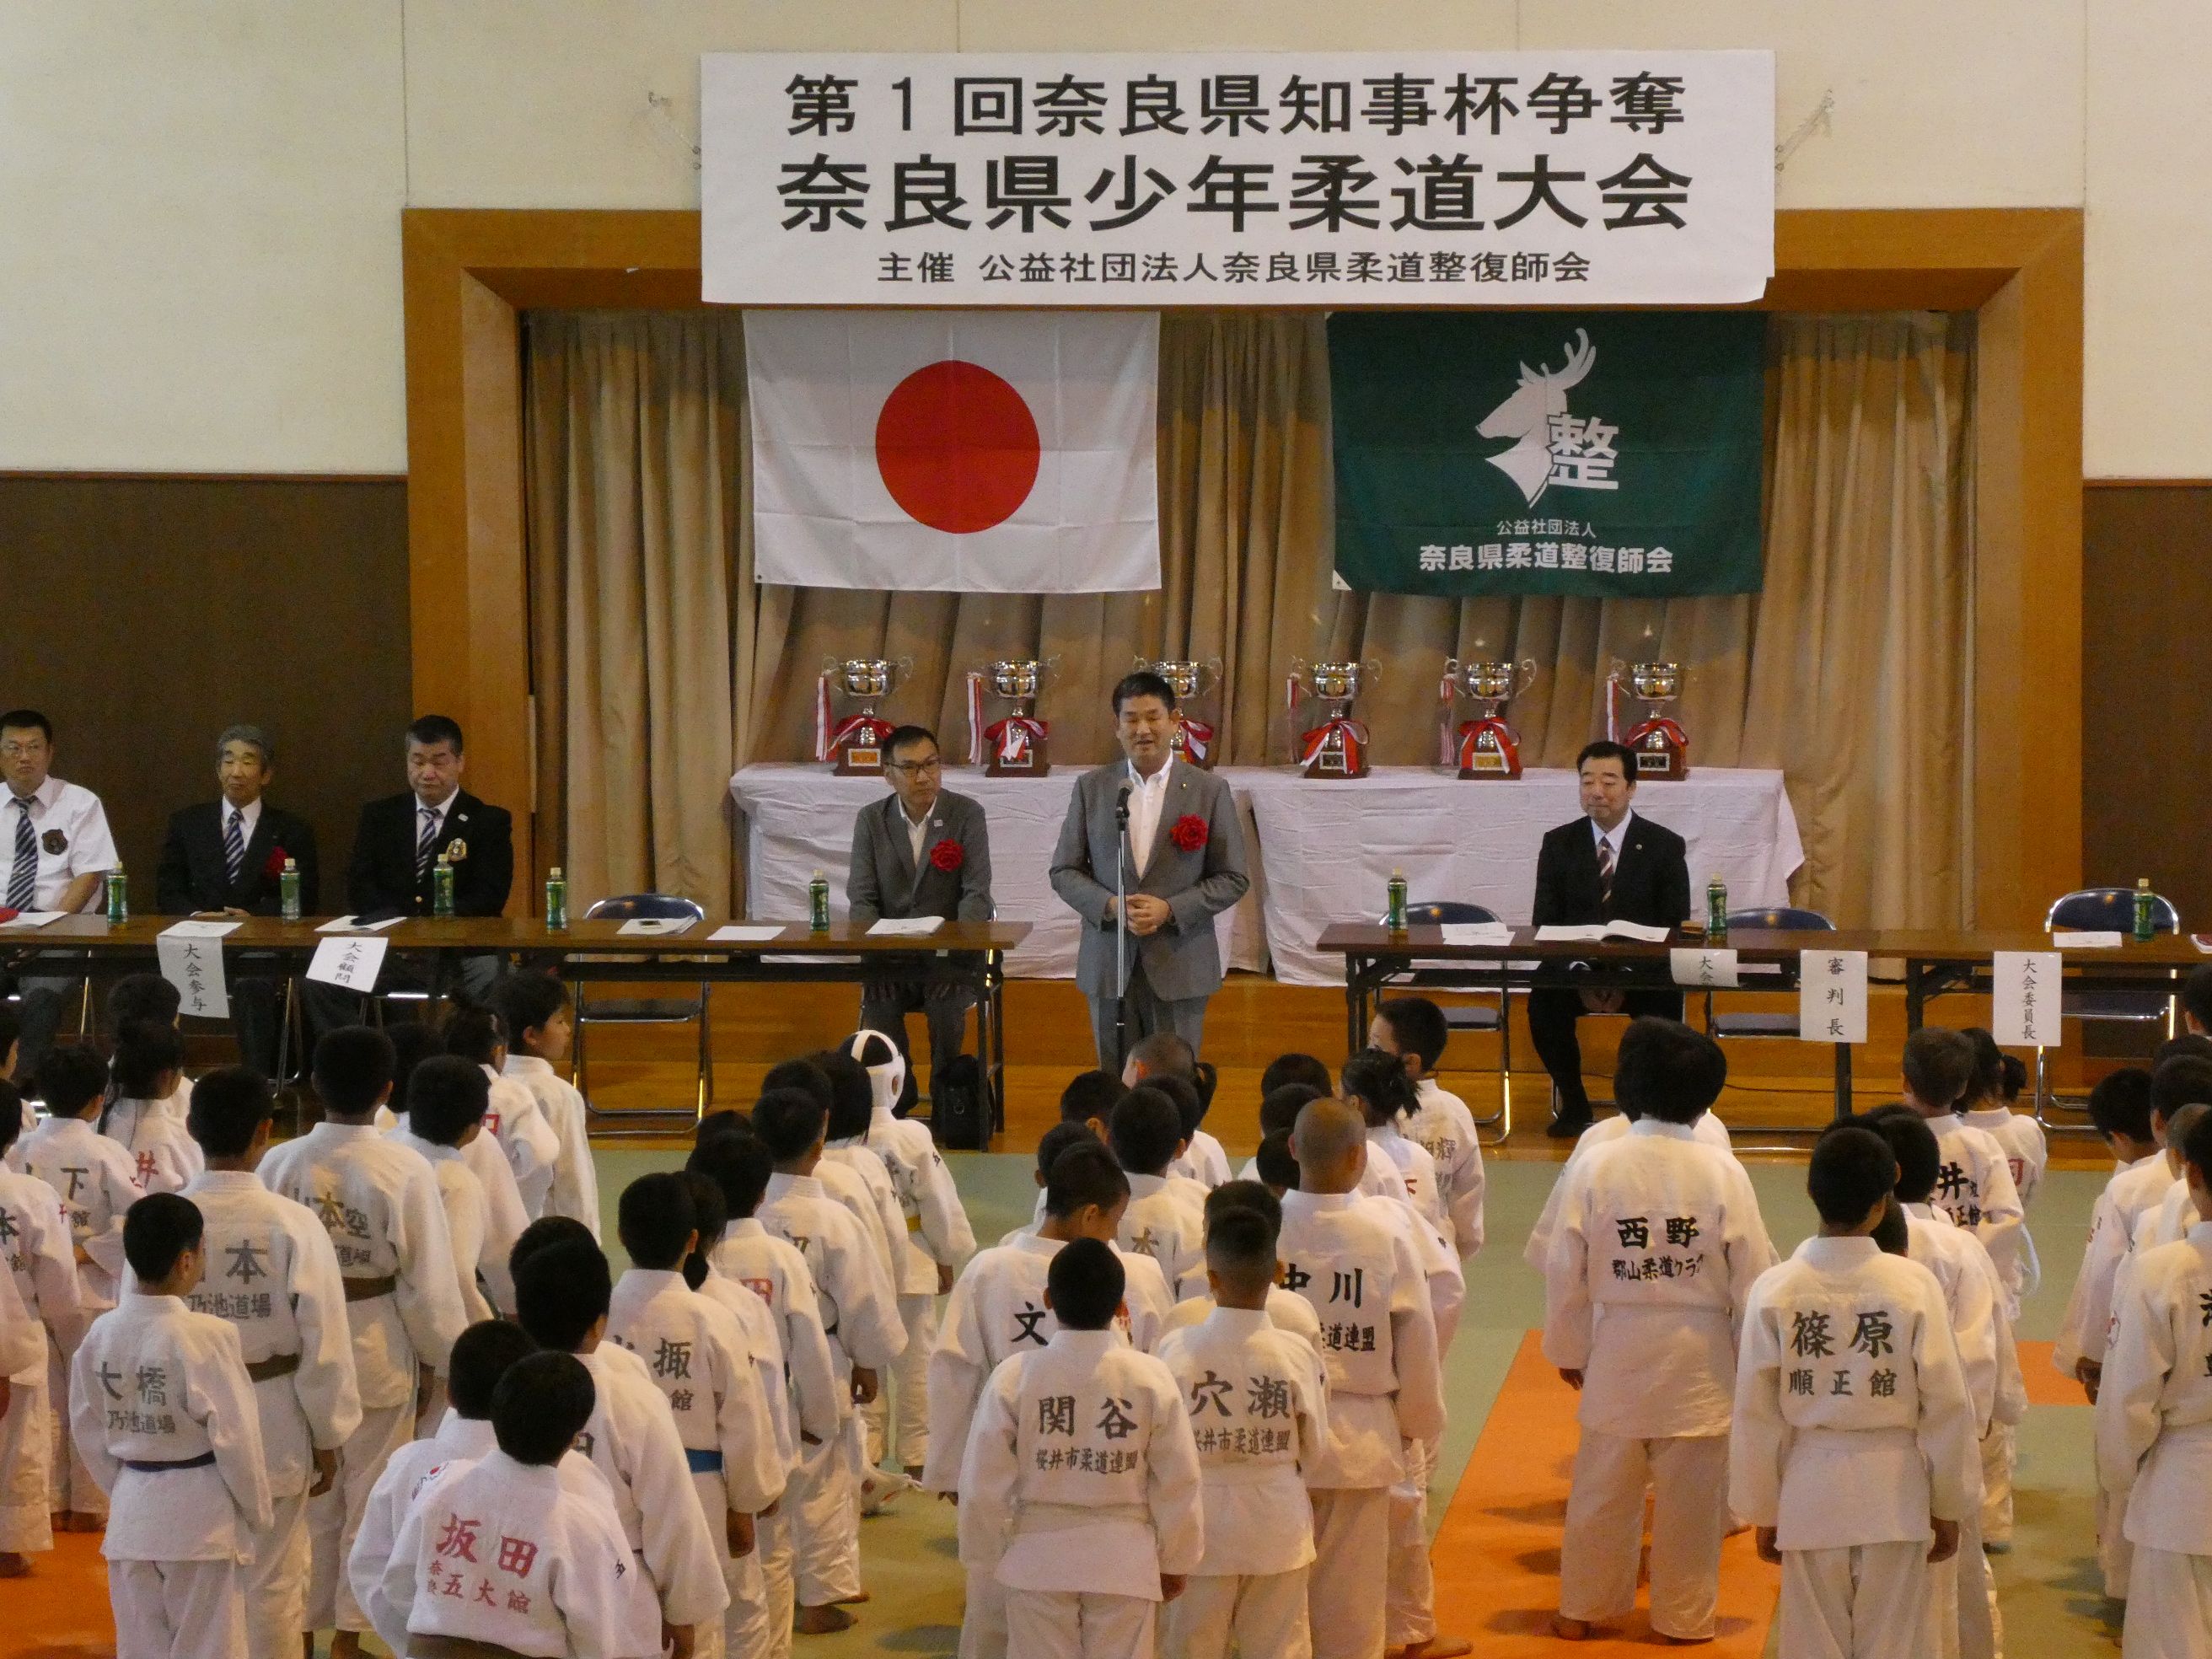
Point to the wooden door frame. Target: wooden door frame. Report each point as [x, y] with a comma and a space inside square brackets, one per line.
[470, 273]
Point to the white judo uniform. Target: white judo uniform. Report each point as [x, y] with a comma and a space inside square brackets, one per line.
[163, 1155]
[1444, 1129]
[468, 1218]
[1080, 1488]
[1708, 1128]
[272, 1275]
[1258, 1400]
[857, 1157]
[1657, 1243]
[1853, 1427]
[1205, 1161]
[573, 1188]
[162, 1409]
[2154, 1446]
[1166, 1219]
[1974, 1187]
[1366, 1284]
[379, 1202]
[505, 1217]
[35, 1238]
[1423, 1188]
[1286, 1312]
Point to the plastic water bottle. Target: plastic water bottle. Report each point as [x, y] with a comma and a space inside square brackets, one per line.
[442, 887]
[1717, 909]
[288, 890]
[1397, 903]
[2145, 902]
[556, 900]
[818, 904]
[118, 897]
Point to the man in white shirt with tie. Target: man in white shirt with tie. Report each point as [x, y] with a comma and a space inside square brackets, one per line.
[59, 853]
[1612, 864]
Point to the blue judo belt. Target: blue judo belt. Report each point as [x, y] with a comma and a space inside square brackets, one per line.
[703, 1462]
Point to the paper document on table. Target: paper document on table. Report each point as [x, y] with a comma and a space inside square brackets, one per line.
[191, 961]
[351, 964]
[356, 925]
[655, 927]
[32, 918]
[1563, 934]
[1592, 932]
[907, 927]
[199, 929]
[1476, 932]
[747, 933]
[2087, 939]
[1640, 931]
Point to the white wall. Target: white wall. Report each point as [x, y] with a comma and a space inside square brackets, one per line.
[199, 202]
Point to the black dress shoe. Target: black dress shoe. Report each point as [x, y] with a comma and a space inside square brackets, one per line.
[1568, 1125]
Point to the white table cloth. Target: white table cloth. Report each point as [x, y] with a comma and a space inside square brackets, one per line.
[1320, 852]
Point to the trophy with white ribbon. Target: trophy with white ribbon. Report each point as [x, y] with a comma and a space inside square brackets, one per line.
[1486, 746]
[1337, 747]
[856, 742]
[1016, 746]
[1194, 741]
[1661, 747]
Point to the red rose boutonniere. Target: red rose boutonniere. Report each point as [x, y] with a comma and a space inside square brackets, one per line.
[948, 856]
[272, 867]
[1188, 832]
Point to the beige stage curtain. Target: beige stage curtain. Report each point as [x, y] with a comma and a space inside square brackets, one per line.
[661, 665]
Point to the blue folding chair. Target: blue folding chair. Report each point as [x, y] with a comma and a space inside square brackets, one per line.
[648, 1010]
[1478, 1016]
[2104, 909]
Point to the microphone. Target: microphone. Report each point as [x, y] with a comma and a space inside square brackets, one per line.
[1121, 805]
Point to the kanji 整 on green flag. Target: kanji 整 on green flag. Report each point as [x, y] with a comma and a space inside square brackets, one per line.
[1612, 454]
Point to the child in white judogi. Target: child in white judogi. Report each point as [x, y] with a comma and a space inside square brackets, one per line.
[447, 1100]
[1080, 1483]
[147, 1070]
[1709, 1130]
[1257, 1396]
[96, 1182]
[2172, 1216]
[1974, 1187]
[1999, 1079]
[938, 1239]
[503, 1215]
[819, 1399]
[562, 1291]
[2154, 1429]
[1852, 1451]
[540, 1024]
[859, 1313]
[34, 1240]
[1165, 1057]
[1378, 1176]
[879, 1219]
[161, 1405]
[1374, 1084]
[512, 1114]
[379, 1203]
[1286, 1309]
[271, 1273]
[1414, 1029]
[1365, 1284]
[1659, 1241]
[699, 1357]
[498, 1555]
[1964, 1594]
[1166, 1216]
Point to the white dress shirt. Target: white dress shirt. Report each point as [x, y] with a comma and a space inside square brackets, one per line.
[915, 829]
[1148, 797]
[74, 814]
[1616, 837]
[247, 816]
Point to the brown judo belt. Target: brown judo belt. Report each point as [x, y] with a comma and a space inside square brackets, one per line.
[269, 1370]
[367, 1289]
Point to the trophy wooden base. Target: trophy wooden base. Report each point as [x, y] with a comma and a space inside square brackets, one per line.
[1331, 766]
[1487, 751]
[1659, 755]
[1034, 762]
[858, 760]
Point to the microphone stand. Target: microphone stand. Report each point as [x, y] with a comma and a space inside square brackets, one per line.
[1121, 930]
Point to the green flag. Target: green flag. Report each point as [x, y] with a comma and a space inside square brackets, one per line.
[1616, 455]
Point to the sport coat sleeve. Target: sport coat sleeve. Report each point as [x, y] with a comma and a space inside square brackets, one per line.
[1672, 886]
[975, 833]
[1223, 879]
[864, 898]
[1072, 877]
[485, 877]
[1550, 906]
[364, 892]
[173, 877]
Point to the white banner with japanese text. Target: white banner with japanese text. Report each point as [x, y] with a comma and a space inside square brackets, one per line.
[1350, 178]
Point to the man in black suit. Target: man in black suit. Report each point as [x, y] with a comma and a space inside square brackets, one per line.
[1610, 865]
[395, 849]
[921, 851]
[226, 858]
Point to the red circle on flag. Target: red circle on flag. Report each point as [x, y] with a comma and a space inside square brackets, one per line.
[958, 446]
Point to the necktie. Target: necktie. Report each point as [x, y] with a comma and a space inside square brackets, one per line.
[1604, 871]
[23, 877]
[426, 844]
[234, 845]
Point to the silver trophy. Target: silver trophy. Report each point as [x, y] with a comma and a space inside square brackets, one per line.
[1017, 745]
[1337, 747]
[1486, 746]
[855, 742]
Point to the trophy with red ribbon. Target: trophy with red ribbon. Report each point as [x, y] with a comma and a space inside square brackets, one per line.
[1337, 747]
[856, 742]
[1016, 746]
[1193, 738]
[1486, 746]
[1661, 748]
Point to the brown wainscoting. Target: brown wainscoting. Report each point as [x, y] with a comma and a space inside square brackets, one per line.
[149, 612]
[2146, 689]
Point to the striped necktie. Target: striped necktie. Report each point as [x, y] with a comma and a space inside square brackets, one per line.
[234, 846]
[1604, 871]
[23, 877]
[427, 843]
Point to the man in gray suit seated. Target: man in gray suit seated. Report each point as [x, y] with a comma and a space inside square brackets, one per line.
[1184, 865]
[923, 851]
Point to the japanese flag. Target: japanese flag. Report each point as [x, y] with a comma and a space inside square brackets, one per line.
[982, 452]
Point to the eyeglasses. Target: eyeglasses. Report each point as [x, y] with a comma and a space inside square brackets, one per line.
[17, 750]
[934, 763]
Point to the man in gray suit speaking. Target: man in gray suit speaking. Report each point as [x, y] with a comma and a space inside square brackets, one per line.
[924, 852]
[1183, 865]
